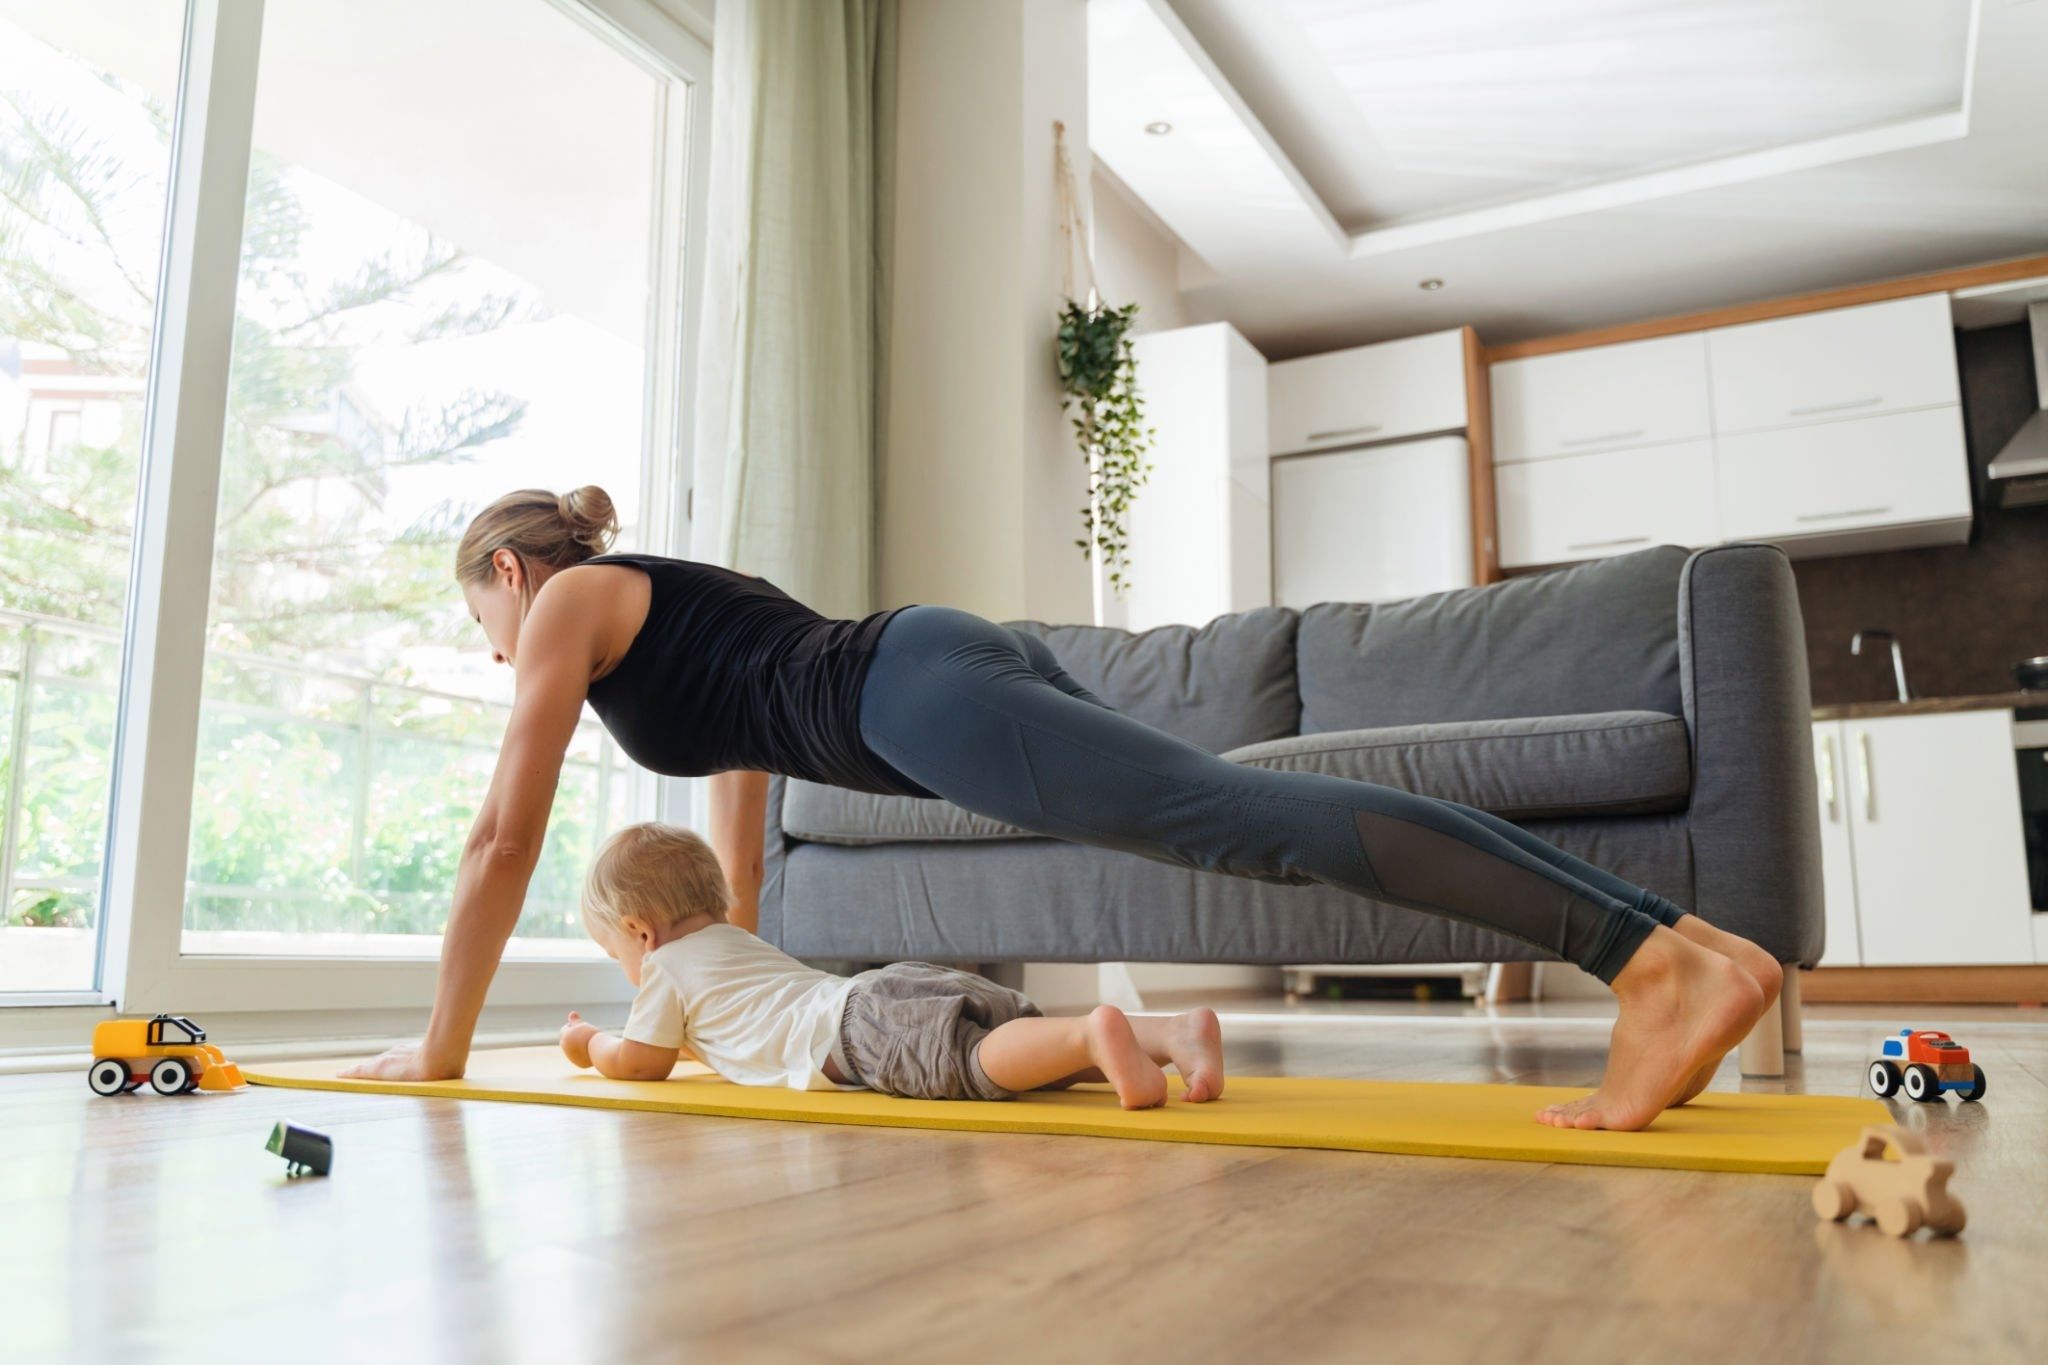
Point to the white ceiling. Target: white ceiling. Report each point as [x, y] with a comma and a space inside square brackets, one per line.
[1565, 164]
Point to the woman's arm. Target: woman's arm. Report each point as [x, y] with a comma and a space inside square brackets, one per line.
[739, 807]
[557, 646]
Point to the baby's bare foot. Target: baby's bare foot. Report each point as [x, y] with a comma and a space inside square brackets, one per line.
[1113, 1047]
[1761, 966]
[1682, 1007]
[1195, 1043]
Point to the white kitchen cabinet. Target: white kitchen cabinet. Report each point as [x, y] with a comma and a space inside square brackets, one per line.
[1601, 398]
[1846, 362]
[1588, 506]
[1383, 392]
[1837, 856]
[1198, 531]
[1909, 467]
[1372, 525]
[1938, 850]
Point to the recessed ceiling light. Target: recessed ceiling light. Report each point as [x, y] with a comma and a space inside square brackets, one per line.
[1159, 128]
[1430, 285]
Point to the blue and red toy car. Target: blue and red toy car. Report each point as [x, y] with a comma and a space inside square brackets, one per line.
[1926, 1065]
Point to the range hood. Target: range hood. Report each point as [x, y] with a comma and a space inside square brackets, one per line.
[2019, 476]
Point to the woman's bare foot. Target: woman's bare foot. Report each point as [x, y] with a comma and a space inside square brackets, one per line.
[1761, 966]
[1195, 1042]
[1139, 1082]
[1682, 1006]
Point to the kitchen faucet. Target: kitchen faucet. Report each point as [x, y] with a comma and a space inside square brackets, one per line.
[1898, 656]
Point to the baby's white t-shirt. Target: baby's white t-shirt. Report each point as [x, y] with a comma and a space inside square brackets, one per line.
[750, 1011]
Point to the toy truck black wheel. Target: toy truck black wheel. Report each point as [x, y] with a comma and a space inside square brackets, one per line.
[1884, 1079]
[108, 1076]
[1977, 1086]
[1922, 1084]
[170, 1076]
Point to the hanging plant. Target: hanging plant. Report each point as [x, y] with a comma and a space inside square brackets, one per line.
[1099, 384]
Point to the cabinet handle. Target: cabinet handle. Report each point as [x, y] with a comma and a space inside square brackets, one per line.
[1837, 516]
[1345, 431]
[1852, 404]
[1603, 544]
[1599, 440]
[1827, 777]
[1868, 775]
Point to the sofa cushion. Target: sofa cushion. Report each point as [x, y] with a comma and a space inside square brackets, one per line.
[1599, 636]
[833, 815]
[1618, 763]
[1225, 684]
[1545, 767]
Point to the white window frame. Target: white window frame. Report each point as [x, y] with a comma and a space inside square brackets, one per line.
[142, 967]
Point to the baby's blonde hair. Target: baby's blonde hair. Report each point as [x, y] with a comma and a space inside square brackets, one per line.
[663, 874]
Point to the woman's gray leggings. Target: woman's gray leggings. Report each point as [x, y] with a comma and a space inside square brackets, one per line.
[986, 717]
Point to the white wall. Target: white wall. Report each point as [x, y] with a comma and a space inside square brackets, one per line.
[1137, 257]
[981, 487]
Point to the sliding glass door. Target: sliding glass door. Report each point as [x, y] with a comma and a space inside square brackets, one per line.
[444, 292]
[458, 236]
[85, 152]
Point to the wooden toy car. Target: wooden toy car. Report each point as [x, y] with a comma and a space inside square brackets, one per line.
[169, 1052]
[1902, 1195]
[1926, 1065]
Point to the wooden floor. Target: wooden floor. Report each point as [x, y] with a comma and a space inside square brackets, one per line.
[145, 1228]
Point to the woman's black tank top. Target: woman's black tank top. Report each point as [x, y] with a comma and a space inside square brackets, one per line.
[732, 672]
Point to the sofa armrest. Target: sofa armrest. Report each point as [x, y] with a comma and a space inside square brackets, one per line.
[1748, 706]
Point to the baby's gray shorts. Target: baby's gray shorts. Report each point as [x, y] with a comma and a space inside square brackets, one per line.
[914, 1029]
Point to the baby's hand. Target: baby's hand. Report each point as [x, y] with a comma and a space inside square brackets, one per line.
[576, 1036]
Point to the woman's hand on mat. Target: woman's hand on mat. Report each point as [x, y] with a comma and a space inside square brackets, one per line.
[406, 1062]
[576, 1036]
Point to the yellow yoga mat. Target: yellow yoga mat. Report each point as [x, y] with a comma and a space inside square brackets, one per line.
[1785, 1134]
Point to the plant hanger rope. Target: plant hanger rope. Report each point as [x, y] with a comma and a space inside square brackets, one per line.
[1073, 227]
[1099, 386]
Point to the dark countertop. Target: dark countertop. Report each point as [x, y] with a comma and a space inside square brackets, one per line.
[1931, 706]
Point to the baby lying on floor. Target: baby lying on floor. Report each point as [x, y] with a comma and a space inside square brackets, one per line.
[656, 901]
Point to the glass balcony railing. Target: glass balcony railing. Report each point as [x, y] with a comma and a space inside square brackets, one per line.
[329, 809]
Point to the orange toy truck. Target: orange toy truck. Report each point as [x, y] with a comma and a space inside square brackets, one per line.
[169, 1052]
[1926, 1065]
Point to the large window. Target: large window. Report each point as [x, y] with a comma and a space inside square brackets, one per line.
[462, 270]
[443, 297]
[84, 161]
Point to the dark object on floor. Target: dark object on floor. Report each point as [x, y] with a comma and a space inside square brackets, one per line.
[304, 1151]
[2032, 673]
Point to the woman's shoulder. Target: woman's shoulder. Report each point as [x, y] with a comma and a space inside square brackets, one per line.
[670, 564]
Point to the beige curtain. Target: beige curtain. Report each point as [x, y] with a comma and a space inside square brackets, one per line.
[794, 338]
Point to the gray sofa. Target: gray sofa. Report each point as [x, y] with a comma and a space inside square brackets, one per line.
[1649, 713]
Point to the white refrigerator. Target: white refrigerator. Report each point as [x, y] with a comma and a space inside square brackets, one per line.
[1375, 524]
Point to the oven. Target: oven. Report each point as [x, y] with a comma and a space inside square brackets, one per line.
[2030, 750]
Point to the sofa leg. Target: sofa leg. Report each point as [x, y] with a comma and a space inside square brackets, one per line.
[1763, 1051]
[1509, 982]
[1788, 1007]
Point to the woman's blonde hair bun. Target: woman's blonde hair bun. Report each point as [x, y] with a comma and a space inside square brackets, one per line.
[558, 530]
[591, 519]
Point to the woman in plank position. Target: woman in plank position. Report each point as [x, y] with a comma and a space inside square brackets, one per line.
[701, 670]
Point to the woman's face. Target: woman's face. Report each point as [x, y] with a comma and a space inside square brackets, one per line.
[495, 605]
